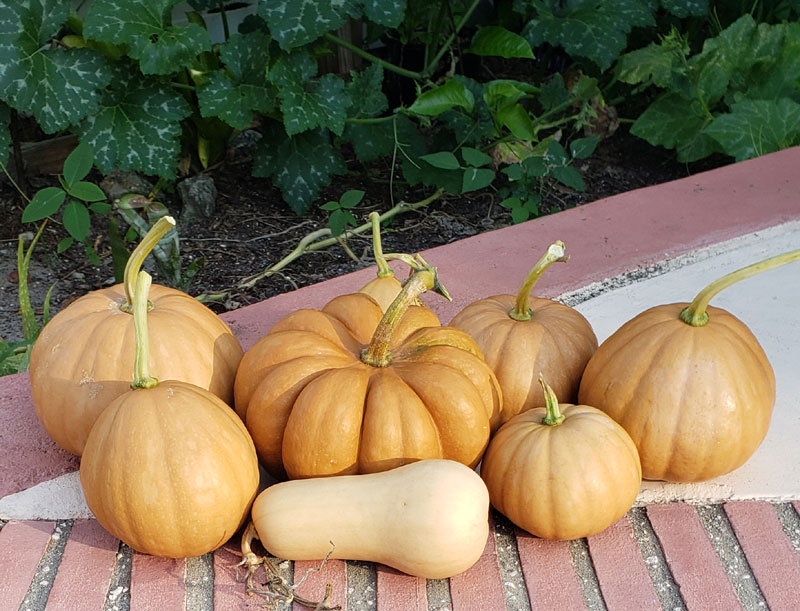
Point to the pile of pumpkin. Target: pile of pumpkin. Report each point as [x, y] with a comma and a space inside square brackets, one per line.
[377, 415]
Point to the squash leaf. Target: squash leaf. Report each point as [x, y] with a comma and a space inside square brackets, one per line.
[295, 23]
[5, 132]
[388, 13]
[497, 41]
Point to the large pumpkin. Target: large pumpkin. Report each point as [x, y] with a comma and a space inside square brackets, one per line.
[83, 358]
[349, 389]
[689, 382]
[562, 471]
[168, 467]
[524, 336]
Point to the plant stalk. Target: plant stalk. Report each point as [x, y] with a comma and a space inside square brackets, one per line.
[431, 66]
[695, 313]
[521, 310]
[384, 270]
[139, 254]
[141, 363]
[553, 415]
[373, 58]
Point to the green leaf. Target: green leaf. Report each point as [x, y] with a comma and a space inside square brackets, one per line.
[567, 175]
[518, 122]
[511, 202]
[331, 206]
[307, 105]
[535, 166]
[295, 23]
[236, 93]
[78, 163]
[299, 166]
[351, 198]
[445, 97]
[58, 86]
[76, 220]
[367, 99]
[139, 125]
[339, 219]
[388, 13]
[655, 63]
[757, 127]
[583, 147]
[443, 160]
[595, 30]
[144, 26]
[474, 157]
[100, 208]
[686, 8]
[64, 244]
[519, 214]
[87, 192]
[497, 41]
[5, 132]
[46, 202]
[556, 154]
[476, 179]
[553, 93]
[370, 140]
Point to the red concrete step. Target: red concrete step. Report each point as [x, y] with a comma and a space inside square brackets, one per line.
[21, 547]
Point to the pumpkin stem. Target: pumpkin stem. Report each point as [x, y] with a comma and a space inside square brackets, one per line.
[553, 415]
[423, 278]
[139, 254]
[695, 313]
[141, 363]
[383, 266]
[555, 253]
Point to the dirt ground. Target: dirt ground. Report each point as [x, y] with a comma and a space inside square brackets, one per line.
[253, 229]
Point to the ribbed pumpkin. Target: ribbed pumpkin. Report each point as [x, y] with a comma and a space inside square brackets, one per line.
[83, 358]
[522, 336]
[168, 467]
[562, 471]
[349, 389]
[689, 382]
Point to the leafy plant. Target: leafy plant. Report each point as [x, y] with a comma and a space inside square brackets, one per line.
[341, 216]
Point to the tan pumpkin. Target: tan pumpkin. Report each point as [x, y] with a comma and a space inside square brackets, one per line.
[168, 467]
[689, 382]
[83, 358]
[522, 336]
[562, 471]
[349, 389]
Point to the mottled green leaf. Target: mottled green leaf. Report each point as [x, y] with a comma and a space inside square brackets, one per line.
[757, 127]
[444, 160]
[686, 8]
[492, 40]
[447, 96]
[306, 104]
[76, 220]
[476, 178]
[295, 23]
[5, 132]
[388, 13]
[299, 166]
[655, 63]
[45, 202]
[553, 92]
[138, 126]
[144, 26]
[365, 90]
[58, 86]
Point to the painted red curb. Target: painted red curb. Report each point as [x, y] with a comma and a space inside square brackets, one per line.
[397, 591]
[621, 572]
[768, 550]
[691, 557]
[21, 547]
[480, 587]
[550, 576]
[84, 574]
[334, 572]
[157, 583]
[230, 594]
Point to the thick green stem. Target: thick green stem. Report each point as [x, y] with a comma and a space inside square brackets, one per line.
[373, 58]
[384, 270]
[695, 313]
[423, 279]
[553, 415]
[521, 310]
[139, 254]
[431, 65]
[141, 363]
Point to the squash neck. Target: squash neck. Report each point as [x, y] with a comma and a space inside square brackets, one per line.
[521, 310]
[141, 363]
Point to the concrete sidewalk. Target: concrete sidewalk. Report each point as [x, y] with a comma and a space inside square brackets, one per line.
[730, 543]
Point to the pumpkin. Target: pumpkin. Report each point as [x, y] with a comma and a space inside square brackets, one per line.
[349, 389]
[689, 382]
[428, 518]
[562, 471]
[385, 287]
[83, 358]
[168, 467]
[523, 335]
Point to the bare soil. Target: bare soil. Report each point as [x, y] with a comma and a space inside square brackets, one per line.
[253, 229]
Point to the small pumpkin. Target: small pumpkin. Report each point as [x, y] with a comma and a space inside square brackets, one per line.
[349, 389]
[168, 467]
[562, 471]
[523, 335]
[428, 518]
[83, 358]
[689, 382]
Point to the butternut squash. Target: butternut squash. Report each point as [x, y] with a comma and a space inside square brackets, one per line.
[428, 518]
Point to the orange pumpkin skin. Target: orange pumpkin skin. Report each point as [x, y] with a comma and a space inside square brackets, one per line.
[170, 470]
[697, 401]
[314, 408]
[83, 358]
[383, 289]
[556, 341]
[565, 481]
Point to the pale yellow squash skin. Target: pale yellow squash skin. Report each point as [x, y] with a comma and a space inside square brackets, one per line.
[170, 470]
[429, 518]
[83, 358]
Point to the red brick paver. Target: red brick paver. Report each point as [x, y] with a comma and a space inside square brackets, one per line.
[21, 547]
[550, 576]
[481, 586]
[398, 591]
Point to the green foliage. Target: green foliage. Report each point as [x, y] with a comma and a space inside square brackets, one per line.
[340, 215]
